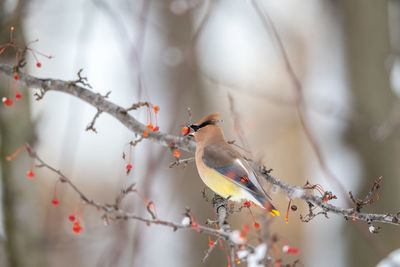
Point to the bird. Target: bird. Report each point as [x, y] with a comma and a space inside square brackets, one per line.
[223, 169]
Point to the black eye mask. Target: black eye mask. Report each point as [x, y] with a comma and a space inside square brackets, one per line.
[198, 127]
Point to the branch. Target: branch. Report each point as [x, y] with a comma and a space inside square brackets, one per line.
[184, 143]
[113, 212]
[298, 192]
[99, 102]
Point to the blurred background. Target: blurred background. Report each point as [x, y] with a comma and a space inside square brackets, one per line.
[194, 53]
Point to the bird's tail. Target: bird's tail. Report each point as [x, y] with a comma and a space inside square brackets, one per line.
[266, 204]
[272, 210]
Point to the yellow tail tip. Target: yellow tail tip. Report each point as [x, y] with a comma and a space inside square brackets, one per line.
[275, 213]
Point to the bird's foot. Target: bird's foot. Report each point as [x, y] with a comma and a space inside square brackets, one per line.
[219, 202]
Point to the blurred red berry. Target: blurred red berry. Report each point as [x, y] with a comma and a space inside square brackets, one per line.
[30, 174]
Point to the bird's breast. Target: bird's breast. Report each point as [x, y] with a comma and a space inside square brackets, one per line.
[217, 182]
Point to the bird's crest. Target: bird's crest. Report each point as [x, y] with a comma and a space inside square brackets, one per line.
[212, 118]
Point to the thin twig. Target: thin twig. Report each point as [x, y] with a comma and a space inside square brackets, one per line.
[183, 162]
[210, 249]
[113, 212]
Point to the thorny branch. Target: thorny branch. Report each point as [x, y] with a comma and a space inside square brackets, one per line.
[184, 143]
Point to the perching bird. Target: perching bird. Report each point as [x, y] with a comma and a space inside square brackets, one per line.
[223, 169]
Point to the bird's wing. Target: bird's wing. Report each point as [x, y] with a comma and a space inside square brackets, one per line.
[231, 164]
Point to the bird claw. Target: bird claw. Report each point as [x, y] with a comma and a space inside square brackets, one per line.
[219, 202]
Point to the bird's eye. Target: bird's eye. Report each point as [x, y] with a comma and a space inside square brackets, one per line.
[195, 127]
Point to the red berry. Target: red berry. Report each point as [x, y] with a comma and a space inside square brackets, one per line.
[38, 64]
[8, 101]
[30, 174]
[71, 217]
[290, 250]
[16, 77]
[77, 228]
[128, 166]
[156, 129]
[55, 202]
[247, 204]
[18, 96]
[185, 130]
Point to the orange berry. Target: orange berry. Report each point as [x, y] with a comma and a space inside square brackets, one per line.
[242, 234]
[177, 154]
[185, 130]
